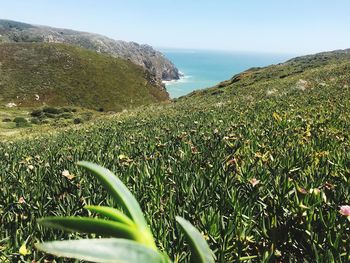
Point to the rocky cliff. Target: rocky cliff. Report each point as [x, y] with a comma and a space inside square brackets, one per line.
[154, 61]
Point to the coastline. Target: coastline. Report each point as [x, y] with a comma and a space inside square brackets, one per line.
[200, 69]
[181, 79]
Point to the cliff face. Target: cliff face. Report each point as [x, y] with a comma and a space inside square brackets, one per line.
[144, 55]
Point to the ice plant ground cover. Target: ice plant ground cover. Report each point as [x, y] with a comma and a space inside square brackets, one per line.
[133, 240]
[264, 177]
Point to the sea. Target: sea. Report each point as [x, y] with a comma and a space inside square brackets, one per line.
[202, 69]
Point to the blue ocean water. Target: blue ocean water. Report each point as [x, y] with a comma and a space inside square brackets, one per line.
[203, 69]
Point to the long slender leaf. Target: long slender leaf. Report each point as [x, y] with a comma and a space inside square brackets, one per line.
[247, 258]
[109, 250]
[111, 213]
[91, 225]
[124, 197]
[118, 190]
[201, 253]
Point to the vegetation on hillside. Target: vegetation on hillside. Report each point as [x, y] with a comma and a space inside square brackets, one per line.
[259, 164]
[132, 239]
[34, 74]
[144, 55]
[26, 122]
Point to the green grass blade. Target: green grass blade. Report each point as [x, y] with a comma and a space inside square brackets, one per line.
[247, 258]
[201, 252]
[103, 250]
[91, 225]
[118, 191]
[111, 213]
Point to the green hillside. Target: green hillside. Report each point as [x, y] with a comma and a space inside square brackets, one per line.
[144, 55]
[298, 74]
[34, 74]
[259, 164]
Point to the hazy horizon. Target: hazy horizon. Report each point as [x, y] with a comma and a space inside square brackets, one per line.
[298, 27]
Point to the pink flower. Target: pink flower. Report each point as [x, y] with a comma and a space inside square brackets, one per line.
[345, 210]
[66, 174]
[21, 200]
[254, 182]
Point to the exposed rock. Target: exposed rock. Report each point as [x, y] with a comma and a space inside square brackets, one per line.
[154, 61]
[271, 92]
[11, 105]
[302, 84]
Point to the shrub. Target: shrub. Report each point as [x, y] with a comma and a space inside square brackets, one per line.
[6, 120]
[77, 121]
[36, 113]
[68, 109]
[51, 115]
[52, 110]
[21, 122]
[35, 121]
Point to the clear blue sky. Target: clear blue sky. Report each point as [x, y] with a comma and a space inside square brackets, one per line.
[279, 26]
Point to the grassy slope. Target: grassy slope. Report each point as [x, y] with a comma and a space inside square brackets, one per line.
[67, 75]
[196, 158]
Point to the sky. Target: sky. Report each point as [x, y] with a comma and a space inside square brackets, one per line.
[273, 26]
